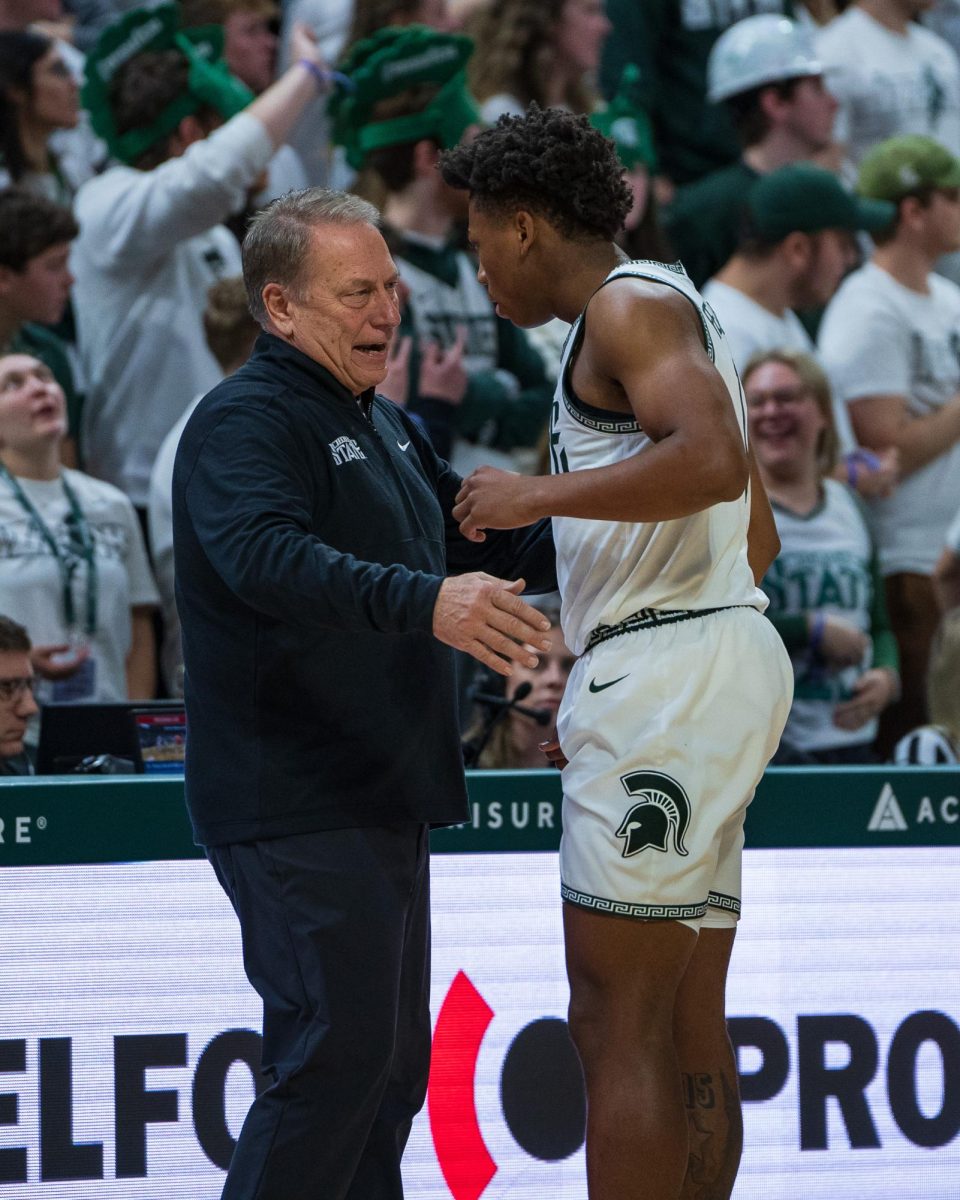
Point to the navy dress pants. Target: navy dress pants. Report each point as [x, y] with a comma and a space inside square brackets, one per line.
[336, 940]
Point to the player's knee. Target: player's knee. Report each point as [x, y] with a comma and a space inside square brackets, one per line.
[603, 1024]
[593, 1015]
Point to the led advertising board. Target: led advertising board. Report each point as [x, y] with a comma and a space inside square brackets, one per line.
[128, 1040]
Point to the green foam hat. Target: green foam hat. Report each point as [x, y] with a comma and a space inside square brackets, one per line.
[151, 30]
[625, 122]
[391, 61]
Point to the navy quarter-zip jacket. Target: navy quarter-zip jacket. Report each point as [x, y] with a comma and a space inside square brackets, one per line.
[310, 543]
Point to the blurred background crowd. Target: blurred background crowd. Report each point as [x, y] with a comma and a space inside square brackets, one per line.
[802, 160]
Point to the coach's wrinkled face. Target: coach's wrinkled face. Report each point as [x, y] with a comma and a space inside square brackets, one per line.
[502, 245]
[346, 311]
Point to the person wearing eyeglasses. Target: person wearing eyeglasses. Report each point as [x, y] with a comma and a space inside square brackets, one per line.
[797, 241]
[826, 594]
[17, 704]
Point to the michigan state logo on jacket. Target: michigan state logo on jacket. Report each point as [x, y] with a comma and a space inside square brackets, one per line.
[662, 809]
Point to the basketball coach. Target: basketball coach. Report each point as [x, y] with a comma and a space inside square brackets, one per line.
[321, 583]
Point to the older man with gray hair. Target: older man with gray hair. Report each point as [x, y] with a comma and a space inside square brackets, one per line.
[321, 581]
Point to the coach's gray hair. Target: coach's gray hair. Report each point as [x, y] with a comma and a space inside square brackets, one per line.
[277, 244]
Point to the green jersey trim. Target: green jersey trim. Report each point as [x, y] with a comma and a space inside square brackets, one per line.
[620, 908]
[599, 420]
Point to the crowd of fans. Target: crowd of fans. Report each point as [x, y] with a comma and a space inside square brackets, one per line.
[801, 159]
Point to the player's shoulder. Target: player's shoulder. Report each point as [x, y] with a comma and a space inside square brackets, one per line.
[651, 298]
[642, 282]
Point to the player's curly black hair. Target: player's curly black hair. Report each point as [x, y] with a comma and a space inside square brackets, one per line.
[549, 161]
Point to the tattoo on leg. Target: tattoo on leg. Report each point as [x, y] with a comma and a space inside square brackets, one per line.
[715, 1126]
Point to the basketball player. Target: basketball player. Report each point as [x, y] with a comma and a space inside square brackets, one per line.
[682, 688]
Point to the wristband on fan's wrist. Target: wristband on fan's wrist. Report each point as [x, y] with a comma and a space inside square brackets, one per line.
[858, 459]
[323, 78]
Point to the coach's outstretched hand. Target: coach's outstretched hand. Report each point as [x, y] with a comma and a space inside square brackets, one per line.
[494, 499]
[485, 617]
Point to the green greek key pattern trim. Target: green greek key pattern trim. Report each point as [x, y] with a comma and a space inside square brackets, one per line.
[610, 423]
[720, 900]
[647, 912]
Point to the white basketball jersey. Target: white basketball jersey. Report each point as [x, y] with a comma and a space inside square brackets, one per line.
[608, 570]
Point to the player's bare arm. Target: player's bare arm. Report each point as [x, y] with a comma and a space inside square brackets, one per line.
[763, 541]
[643, 352]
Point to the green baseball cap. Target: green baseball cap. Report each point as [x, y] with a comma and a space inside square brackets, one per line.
[391, 61]
[801, 198]
[903, 165]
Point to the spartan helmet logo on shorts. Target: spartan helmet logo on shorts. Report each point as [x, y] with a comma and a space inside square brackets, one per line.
[663, 806]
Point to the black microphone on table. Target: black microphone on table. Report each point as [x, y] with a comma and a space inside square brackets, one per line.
[542, 716]
[499, 707]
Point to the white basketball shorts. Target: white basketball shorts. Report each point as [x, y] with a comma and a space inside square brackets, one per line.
[667, 731]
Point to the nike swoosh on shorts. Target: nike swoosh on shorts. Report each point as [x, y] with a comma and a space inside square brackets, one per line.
[601, 687]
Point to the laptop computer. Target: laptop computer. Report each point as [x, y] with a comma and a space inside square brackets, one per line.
[150, 735]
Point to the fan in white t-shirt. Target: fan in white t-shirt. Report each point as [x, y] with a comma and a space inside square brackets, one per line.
[73, 566]
[798, 241]
[890, 341]
[890, 75]
[192, 145]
